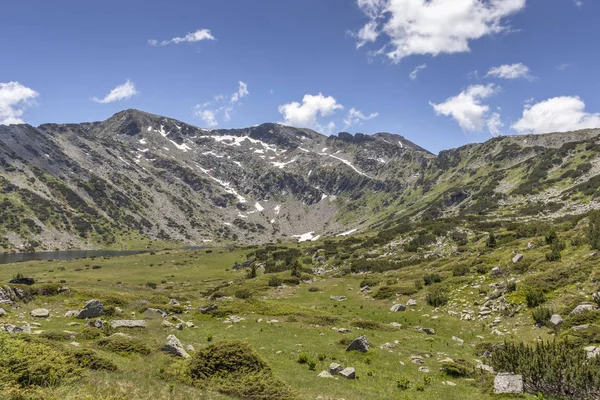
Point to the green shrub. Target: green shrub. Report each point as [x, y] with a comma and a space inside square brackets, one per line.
[235, 368]
[123, 345]
[558, 369]
[403, 383]
[312, 365]
[302, 358]
[534, 297]
[430, 279]
[385, 292]
[541, 315]
[482, 269]
[458, 368]
[436, 297]
[292, 281]
[491, 240]
[593, 231]
[372, 325]
[460, 270]
[511, 286]
[90, 334]
[313, 289]
[243, 293]
[89, 359]
[370, 281]
[56, 335]
[275, 281]
[151, 285]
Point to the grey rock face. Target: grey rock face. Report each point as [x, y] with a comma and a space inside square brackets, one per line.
[92, 309]
[174, 347]
[40, 313]
[508, 384]
[127, 323]
[359, 344]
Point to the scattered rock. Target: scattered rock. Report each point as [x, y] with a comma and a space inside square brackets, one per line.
[418, 360]
[398, 307]
[189, 324]
[359, 344]
[485, 367]
[325, 374]
[167, 324]
[174, 302]
[396, 325]
[581, 327]
[496, 271]
[365, 289]
[338, 298]
[156, 311]
[98, 324]
[174, 347]
[411, 303]
[207, 309]
[127, 323]
[592, 351]
[429, 331]
[40, 313]
[424, 370]
[190, 348]
[517, 258]
[556, 319]
[233, 319]
[72, 313]
[449, 383]
[8, 328]
[507, 383]
[2, 312]
[335, 368]
[348, 373]
[92, 309]
[581, 308]
[457, 339]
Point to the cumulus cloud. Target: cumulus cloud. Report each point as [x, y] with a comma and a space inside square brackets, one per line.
[124, 91]
[510, 71]
[415, 72]
[199, 35]
[221, 106]
[432, 26]
[305, 114]
[467, 109]
[14, 99]
[356, 117]
[558, 114]
[494, 124]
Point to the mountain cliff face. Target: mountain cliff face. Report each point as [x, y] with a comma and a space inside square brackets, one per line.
[138, 177]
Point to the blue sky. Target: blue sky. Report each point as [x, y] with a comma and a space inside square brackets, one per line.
[330, 65]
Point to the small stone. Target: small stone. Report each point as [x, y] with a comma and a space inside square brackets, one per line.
[424, 370]
[174, 302]
[556, 319]
[365, 289]
[338, 298]
[335, 368]
[72, 313]
[398, 307]
[507, 383]
[411, 303]
[325, 374]
[2, 312]
[153, 310]
[189, 324]
[396, 325]
[167, 324]
[40, 313]
[348, 373]
[457, 339]
[581, 327]
[98, 324]
[429, 331]
[517, 258]
[207, 309]
[190, 348]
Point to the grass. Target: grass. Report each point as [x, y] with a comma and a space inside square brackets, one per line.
[304, 321]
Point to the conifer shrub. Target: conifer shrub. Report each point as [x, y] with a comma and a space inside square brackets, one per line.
[460, 270]
[430, 279]
[541, 315]
[234, 368]
[593, 231]
[558, 368]
[124, 345]
[437, 297]
[534, 297]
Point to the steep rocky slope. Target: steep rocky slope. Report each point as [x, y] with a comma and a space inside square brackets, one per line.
[138, 177]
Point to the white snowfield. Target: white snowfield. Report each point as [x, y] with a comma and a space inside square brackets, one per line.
[310, 236]
[350, 232]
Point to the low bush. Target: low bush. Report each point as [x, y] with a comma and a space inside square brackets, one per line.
[436, 297]
[541, 315]
[430, 279]
[90, 334]
[57, 335]
[124, 345]
[460, 270]
[534, 297]
[234, 368]
[243, 294]
[458, 368]
[275, 281]
[89, 359]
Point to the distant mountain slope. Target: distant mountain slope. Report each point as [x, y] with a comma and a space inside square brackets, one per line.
[139, 177]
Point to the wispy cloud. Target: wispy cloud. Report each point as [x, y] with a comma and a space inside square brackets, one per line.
[510, 71]
[562, 67]
[199, 35]
[356, 117]
[221, 106]
[415, 72]
[124, 91]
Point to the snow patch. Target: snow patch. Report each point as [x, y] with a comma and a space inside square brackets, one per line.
[348, 163]
[280, 165]
[310, 236]
[226, 186]
[184, 147]
[277, 209]
[142, 141]
[304, 150]
[212, 153]
[259, 207]
[350, 232]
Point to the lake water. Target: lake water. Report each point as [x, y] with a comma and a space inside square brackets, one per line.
[63, 255]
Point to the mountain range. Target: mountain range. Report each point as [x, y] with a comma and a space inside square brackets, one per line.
[138, 179]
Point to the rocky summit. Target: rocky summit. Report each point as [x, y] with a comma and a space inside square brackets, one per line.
[138, 179]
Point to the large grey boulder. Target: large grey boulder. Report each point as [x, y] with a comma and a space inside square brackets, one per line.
[335, 368]
[127, 323]
[40, 313]
[581, 308]
[174, 347]
[398, 307]
[348, 373]
[556, 319]
[507, 383]
[359, 344]
[92, 309]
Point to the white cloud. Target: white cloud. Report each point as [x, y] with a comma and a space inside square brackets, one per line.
[510, 71]
[305, 115]
[124, 91]
[466, 108]
[432, 26]
[221, 106]
[199, 35]
[578, 3]
[494, 124]
[415, 72]
[14, 99]
[562, 67]
[355, 117]
[558, 114]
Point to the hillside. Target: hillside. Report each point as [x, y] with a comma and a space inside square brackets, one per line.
[140, 180]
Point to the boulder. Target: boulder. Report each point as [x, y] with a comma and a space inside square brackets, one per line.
[207, 309]
[429, 331]
[325, 374]
[174, 347]
[2, 312]
[517, 258]
[496, 271]
[359, 344]
[592, 351]
[365, 289]
[398, 307]
[8, 328]
[581, 308]
[581, 327]
[507, 383]
[167, 324]
[128, 323]
[556, 319]
[411, 303]
[92, 309]
[40, 313]
[348, 373]
[71, 313]
[335, 368]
